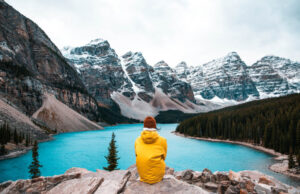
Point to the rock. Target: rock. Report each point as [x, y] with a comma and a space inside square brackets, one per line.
[31, 65]
[187, 175]
[265, 180]
[77, 170]
[223, 186]
[278, 190]
[232, 190]
[79, 180]
[221, 176]
[114, 181]
[206, 175]
[211, 186]
[262, 189]
[169, 170]
[196, 175]
[78, 186]
[40, 184]
[250, 186]
[233, 176]
[167, 185]
[4, 185]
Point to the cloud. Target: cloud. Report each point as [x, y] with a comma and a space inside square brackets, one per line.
[195, 31]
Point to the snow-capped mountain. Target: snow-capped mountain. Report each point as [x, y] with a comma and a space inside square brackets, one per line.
[225, 77]
[140, 89]
[100, 69]
[229, 80]
[129, 81]
[275, 76]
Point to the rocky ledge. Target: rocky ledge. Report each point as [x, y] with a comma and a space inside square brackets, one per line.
[79, 180]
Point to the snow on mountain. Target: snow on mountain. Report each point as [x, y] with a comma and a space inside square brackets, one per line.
[223, 78]
[100, 69]
[275, 76]
[227, 81]
[130, 82]
[139, 89]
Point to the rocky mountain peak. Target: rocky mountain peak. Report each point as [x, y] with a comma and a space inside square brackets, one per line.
[161, 63]
[182, 64]
[163, 67]
[135, 58]
[182, 70]
[98, 41]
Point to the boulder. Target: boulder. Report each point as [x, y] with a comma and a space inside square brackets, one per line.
[233, 176]
[232, 190]
[265, 180]
[221, 176]
[250, 186]
[211, 186]
[262, 189]
[167, 185]
[185, 175]
[169, 170]
[78, 186]
[77, 170]
[79, 180]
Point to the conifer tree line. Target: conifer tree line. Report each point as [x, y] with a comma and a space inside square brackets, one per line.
[7, 134]
[273, 123]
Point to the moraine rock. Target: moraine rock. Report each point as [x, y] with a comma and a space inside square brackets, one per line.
[78, 180]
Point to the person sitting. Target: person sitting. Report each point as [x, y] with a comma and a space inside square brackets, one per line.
[151, 152]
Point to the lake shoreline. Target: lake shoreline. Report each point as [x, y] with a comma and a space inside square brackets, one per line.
[276, 155]
[21, 151]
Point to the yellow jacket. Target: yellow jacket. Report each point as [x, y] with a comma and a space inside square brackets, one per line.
[151, 152]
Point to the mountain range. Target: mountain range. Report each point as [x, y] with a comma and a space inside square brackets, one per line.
[140, 89]
[103, 86]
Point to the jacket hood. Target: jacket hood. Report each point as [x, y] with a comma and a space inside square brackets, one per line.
[149, 137]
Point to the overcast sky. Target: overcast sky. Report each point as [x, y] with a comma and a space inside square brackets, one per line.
[195, 31]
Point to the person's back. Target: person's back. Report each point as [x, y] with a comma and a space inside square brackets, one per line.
[151, 151]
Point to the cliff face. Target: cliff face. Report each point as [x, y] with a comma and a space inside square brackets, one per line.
[82, 181]
[100, 69]
[30, 65]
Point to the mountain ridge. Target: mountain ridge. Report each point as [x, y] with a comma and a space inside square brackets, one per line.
[218, 83]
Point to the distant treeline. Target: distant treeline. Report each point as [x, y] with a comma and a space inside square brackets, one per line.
[273, 123]
[7, 136]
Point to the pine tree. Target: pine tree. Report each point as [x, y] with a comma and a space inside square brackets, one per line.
[16, 138]
[2, 150]
[291, 161]
[112, 158]
[27, 140]
[34, 170]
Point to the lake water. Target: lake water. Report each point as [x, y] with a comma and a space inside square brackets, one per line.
[87, 150]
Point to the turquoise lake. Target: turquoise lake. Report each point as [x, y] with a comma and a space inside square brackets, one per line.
[87, 150]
